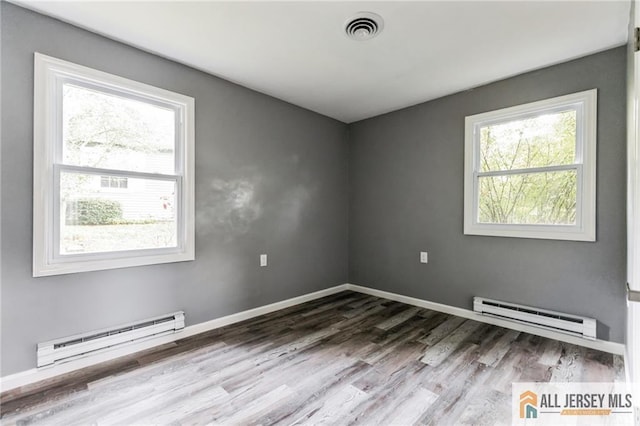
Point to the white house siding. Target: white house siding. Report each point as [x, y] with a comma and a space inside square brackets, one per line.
[142, 199]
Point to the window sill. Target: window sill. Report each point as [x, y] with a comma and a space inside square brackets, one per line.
[565, 233]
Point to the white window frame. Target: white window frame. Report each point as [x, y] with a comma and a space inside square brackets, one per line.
[49, 76]
[585, 105]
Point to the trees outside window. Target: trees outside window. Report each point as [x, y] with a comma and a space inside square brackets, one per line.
[530, 170]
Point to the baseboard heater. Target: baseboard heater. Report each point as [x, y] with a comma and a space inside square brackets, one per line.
[551, 320]
[81, 345]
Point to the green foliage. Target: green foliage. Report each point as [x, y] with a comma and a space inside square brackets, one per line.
[102, 130]
[93, 211]
[547, 197]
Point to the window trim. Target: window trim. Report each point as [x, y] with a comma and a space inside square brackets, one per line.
[49, 75]
[585, 104]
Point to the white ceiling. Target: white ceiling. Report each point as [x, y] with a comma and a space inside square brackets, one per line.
[298, 52]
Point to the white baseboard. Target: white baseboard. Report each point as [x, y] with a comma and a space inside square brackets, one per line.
[601, 345]
[34, 375]
[38, 374]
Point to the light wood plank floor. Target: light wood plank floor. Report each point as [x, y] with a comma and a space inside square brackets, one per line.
[344, 359]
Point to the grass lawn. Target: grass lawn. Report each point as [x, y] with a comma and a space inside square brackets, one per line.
[101, 238]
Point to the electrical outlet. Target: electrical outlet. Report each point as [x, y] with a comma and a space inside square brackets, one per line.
[424, 257]
[263, 260]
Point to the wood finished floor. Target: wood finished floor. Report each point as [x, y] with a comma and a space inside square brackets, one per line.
[345, 359]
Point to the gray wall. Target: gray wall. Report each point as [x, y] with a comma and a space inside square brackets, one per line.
[406, 195]
[293, 161]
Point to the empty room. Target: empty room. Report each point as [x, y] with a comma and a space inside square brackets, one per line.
[344, 213]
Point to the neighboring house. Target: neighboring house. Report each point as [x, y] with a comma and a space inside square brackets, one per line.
[140, 199]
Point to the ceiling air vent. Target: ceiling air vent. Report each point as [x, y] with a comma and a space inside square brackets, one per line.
[364, 26]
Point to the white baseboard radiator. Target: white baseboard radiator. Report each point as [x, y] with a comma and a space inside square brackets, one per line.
[551, 320]
[82, 345]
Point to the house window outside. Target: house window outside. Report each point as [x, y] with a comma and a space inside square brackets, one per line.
[113, 171]
[113, 182]
[530, 170]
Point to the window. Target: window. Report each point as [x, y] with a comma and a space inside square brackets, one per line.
[113, 182]
[530, 170]
[113, 171]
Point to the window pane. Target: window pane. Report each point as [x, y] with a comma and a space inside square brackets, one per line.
[545, 140]
[95, 219]
[112, 132]
[535, 198]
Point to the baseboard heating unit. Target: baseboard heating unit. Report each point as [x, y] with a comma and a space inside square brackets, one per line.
[556, 321]
[81, 345]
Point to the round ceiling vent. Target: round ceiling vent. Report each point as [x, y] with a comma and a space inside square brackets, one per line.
[364, 26]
